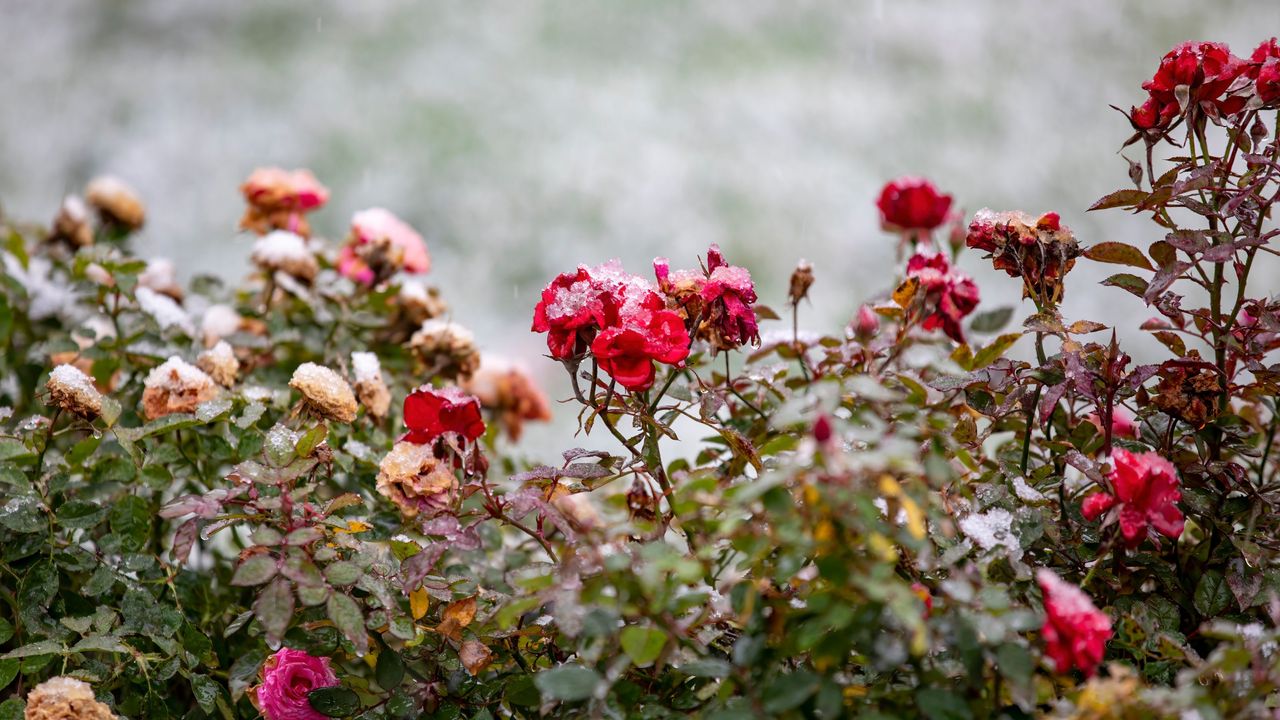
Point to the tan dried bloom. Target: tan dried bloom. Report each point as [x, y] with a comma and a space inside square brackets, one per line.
[370, 387]
[411, 477]
[71, 224]
[175, 386]
[71, 390]
[324, 393]
[419, 303]
[281, 250]
[65, 698]
[446, 348]
[116, 202]
[801, 281]
[508, 390]
[220, 363]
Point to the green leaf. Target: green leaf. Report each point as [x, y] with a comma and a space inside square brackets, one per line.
[1117, 253]
[274, 608]
[643, 645]
[995, 350]
[255, 570]
[23, 514]
[1212, 595]
[1130, 283]
[1015, 663]
[101, 643]
[80, 514]
[991, 320]
[206, 691]
[11, 448]
[334, 701]
[342, 573]
[83, 449]
[390, 669]
[12, 709]
[311, 439]
[6, 630]
[346, 615]
[131, 522]
[568, 683]
[707, 668]
[44, 647]
[939, 704]
[787, 692]
[8, 671]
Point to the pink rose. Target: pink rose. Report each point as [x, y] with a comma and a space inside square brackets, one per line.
[1146, 493]
[381, 244]
[1075, 631]
[287, 678]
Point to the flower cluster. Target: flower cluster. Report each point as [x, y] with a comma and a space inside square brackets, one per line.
[1145, 496]
[938, 293]
[1264, 71]
[715, 302]
[620, 317]
[1208, 77]
[1040, 250]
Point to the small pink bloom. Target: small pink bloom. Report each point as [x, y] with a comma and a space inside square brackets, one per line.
[287, 678]
[718, 300]
[276, 188]
[1146, 493]
[1122, 423]
[381, 244]
[950, 295]
[430, 412]
[911, 203]
[868, 323]
[1075, 631]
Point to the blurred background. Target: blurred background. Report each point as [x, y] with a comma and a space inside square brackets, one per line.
[524, 137]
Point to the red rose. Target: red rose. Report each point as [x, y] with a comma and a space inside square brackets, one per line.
[1206, 69]
[1146, 493]
[949, 295]
[718, 299]
[627, 351]
[911, 203]
[1264, 70]
[577, 305]
[430, 412]
[1075, 631]
[1040, 250]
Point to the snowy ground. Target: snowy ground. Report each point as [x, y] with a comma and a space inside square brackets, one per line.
[524, 137]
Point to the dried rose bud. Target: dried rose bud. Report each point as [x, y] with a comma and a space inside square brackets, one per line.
[418, 303]
[175, 386]
[116, 202]
[283, 251]
[370, 388]
[220, 363]
[1189, 394]
[446, 348]
[65, 698]
[71, 224]
[324, 393]
[415, 480]
[801, 281]
[640, 501]
[73, 391]
[508, 390]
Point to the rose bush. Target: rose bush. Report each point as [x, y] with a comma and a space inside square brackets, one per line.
[301, 497]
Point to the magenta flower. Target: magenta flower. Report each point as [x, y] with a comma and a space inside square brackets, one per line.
[949, 294]
[287, 678]
[1075, 631]
[1146, 493]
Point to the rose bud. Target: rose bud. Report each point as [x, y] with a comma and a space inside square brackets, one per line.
[447, 349]
[71, 225]
[116, 202]
[801, 281]
[822, 431]
[912, 204]
[220, 363]
[175, 386]
[370, 388]
[867, 324]
[324, 393]
[73, 391]
[283, 251]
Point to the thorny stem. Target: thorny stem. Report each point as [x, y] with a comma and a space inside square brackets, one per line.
[48, 440]
[795, 341]
[1031, 410]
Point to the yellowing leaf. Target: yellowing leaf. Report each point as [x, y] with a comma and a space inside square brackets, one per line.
[419, 602]
[906, 292]
[457, 615]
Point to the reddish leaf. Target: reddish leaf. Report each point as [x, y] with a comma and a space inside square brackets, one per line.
[1119, 198]
[1118, 254]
